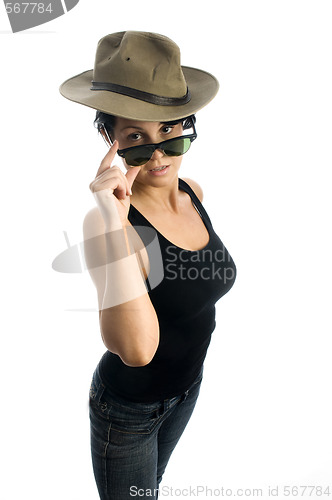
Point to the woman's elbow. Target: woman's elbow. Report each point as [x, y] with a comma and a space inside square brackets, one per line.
[138, 347]
[135, 359]
[141, 356]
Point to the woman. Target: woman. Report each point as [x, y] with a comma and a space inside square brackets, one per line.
[151, 250]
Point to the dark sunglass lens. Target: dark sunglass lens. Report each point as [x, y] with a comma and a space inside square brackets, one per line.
[137, 157]
[177, 147]
[140, 155]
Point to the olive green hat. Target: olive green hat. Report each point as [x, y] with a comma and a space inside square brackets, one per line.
[138, 75]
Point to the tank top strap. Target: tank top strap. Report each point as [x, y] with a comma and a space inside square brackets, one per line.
[184, 186]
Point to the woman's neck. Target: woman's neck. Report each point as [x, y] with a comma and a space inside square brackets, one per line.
[165, 198]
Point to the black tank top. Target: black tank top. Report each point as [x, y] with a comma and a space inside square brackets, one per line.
[185, 304]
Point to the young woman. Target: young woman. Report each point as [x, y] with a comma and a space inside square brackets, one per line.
[156, 262]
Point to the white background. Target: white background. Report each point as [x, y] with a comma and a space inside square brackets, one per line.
[263, 158]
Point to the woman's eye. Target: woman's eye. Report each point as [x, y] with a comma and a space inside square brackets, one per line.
[135, 137]
[167, 129]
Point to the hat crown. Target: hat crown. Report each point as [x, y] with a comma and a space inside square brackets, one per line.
[148, 62]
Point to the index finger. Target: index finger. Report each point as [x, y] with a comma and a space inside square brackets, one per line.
[109, 157]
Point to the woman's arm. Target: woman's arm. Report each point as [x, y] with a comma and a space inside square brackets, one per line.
[128, 321]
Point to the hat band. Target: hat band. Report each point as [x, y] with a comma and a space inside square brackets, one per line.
[142, 96]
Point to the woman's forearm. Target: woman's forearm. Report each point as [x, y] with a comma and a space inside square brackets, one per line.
[128, 321]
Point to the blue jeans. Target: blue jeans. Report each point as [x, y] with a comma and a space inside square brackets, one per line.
[131, 443]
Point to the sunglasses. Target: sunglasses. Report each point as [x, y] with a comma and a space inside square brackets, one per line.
[139, 155]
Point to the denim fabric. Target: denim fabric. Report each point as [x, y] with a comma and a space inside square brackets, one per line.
[131, 443]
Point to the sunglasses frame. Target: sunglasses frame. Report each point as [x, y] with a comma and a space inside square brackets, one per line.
[153, 147]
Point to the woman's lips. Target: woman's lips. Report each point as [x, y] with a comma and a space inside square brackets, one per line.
[161, 170]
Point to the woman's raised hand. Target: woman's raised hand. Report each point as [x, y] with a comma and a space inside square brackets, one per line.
[112, 190]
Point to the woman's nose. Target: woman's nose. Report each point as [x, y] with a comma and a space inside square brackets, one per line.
[157, 154]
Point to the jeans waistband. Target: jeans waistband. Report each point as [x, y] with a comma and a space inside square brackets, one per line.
[98, 388]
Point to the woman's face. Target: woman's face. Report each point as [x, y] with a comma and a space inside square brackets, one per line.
[160, 169]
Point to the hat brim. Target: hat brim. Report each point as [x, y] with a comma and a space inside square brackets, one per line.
[202, 85]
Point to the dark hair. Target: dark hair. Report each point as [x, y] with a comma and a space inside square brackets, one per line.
[108, 121]
[104, 119]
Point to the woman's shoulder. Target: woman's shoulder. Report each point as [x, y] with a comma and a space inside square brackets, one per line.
[195, 187]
